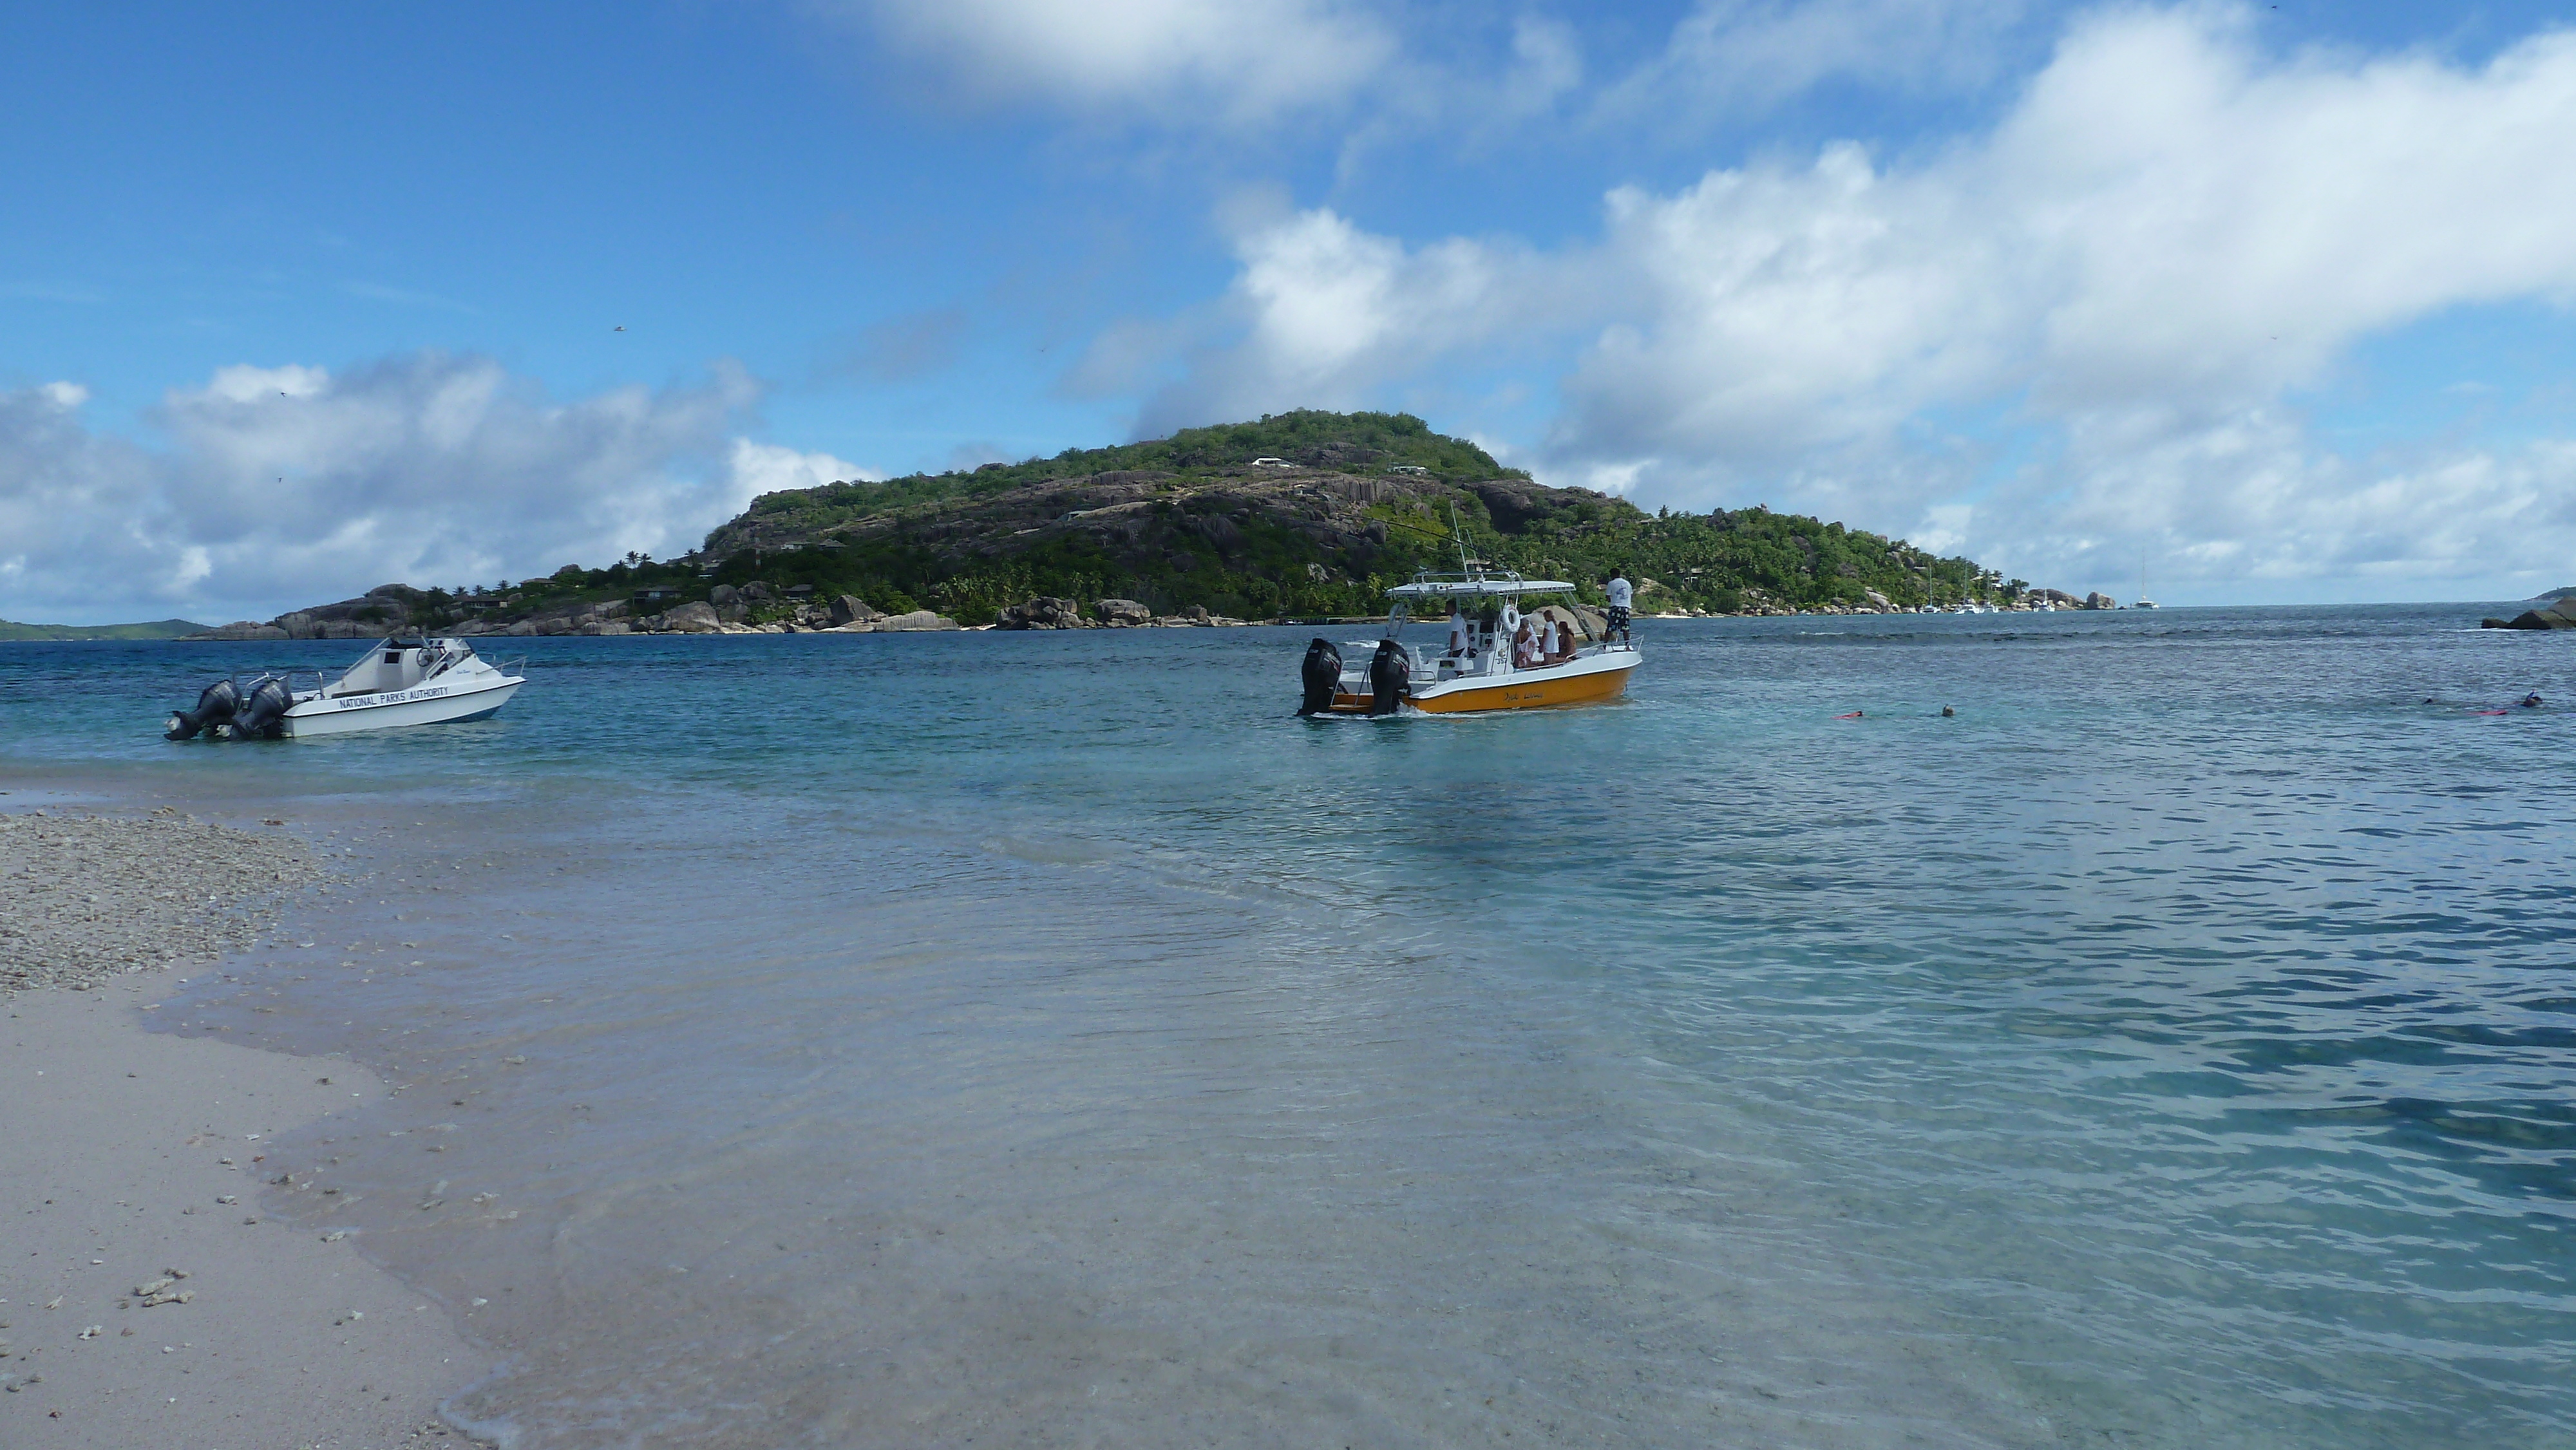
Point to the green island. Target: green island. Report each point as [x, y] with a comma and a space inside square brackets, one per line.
[1306, 515]
[153, 629]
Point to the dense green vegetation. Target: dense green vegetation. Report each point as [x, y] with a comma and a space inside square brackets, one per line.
[1374, 443]
[1188, 521]
[1727, 561]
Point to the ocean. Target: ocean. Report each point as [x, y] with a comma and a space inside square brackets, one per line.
[1045, 1039]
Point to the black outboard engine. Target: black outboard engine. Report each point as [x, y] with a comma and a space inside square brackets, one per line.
[215, 709]
[1322, 673]
[263, 714]
[1390, 677]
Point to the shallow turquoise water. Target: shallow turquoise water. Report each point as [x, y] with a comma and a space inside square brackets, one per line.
[2182, 1038]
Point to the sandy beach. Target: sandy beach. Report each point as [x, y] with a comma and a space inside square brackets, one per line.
[147, 1298]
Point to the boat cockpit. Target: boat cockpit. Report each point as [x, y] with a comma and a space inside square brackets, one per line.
[398, 664]
[1483, 620]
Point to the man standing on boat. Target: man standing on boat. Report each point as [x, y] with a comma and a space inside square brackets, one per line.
[1622, 594]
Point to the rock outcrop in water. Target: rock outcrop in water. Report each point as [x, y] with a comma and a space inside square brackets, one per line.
[2558, 614]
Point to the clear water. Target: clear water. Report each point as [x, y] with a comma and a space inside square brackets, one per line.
[1038, 1039]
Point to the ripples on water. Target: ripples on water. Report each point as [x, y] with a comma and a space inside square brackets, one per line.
[2175, 1045]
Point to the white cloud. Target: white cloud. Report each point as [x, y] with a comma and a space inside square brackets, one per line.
[1738, 57]
[1322, 312]
[245, 384]
[758, 468]
[1399, 65]
[2167, 237]
[296, 485]
[1244, 60]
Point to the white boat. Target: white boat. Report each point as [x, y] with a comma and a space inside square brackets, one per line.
[1480, 676]
[398, 682]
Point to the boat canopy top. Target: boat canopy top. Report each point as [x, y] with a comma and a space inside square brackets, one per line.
[1452, 586]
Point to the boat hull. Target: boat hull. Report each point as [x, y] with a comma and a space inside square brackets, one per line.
[1585, 682]
[427, 705]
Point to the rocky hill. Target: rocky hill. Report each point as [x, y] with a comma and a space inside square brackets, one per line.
[1300, 515]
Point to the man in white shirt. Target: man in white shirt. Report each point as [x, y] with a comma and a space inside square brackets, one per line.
[1622, 594]
[1458, 645]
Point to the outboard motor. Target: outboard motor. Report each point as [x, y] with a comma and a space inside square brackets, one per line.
[215, 709]
[263, 714]
[1322, 673]
[1390, 677]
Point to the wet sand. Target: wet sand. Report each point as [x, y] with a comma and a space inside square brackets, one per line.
[147, 1297]
[964, 1174]
[956, 1151]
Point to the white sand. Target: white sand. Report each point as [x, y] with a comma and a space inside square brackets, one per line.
[114, 1171]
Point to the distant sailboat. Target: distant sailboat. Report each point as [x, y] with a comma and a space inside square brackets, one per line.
[2143, 601]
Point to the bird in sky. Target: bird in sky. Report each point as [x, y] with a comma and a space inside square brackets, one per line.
[621, 327]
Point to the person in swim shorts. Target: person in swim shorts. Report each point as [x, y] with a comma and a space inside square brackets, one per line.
[1622, 594]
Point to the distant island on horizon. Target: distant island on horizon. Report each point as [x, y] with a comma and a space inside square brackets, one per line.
[1301, 515]
[54, 633]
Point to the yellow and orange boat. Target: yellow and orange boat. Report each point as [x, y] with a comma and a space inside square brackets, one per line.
[1476, 670]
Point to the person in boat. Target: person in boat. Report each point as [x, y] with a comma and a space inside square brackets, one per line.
[1564, 641]
[1462, 640]
[1525, 654]
[2531, 701]
[1622, 595]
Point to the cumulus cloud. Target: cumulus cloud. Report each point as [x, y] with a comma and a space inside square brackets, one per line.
[1242, 60]
[2248, 498]
[758, 468]
[1398, 66]
[290, 485]
[1730, 58]
[2128, 279]
[1326, 313]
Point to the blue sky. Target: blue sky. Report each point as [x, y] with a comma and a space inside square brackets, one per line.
[298, 299]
